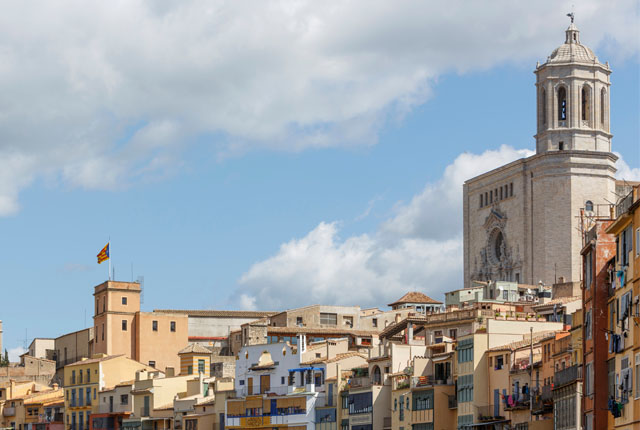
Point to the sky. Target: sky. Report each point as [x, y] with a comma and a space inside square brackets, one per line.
[266, 155]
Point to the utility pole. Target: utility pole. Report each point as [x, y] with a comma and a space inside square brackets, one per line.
[531, 373]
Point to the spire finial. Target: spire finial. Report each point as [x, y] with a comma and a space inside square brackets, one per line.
[571, 15]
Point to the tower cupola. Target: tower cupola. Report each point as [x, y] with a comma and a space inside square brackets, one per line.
[573, 98]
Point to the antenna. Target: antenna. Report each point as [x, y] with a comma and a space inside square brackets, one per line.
[141, 282]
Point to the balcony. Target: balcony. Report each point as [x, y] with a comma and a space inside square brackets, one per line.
[567, 376]
[517, 401]
[542, 400]
[623, 206]
[453, 402]
[9, 412]
[489, 413]
[422, 416]
[360, 382]
[428, 380]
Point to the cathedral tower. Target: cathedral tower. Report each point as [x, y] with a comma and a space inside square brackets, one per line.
[522, 220]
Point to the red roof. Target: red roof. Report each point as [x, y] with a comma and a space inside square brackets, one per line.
[415, 297]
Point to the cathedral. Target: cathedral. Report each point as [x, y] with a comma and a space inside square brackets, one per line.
[523, 221]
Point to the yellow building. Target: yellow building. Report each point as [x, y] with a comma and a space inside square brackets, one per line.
[624, 309]
[195, 359]
[84, 379]
[10, 392]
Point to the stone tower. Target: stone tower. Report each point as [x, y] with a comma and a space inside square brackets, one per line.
[522, 220]
[573, 99]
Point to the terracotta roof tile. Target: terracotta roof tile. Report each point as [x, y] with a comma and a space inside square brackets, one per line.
[195, 348]
[415, 297]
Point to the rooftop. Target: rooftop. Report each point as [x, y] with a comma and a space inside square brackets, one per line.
[415, 297]
[195, 348]
[214, 313]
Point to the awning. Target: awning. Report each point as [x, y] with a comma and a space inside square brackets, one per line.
[303, 369]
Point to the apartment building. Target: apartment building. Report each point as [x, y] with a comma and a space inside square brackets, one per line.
[624, 311]
[84, 379]
[152, 399]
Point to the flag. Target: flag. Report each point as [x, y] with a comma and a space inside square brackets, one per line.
[104, 254]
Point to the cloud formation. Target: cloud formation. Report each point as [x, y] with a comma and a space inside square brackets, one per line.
[97, 94]
[419, 248]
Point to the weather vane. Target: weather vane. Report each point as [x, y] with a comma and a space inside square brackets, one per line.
[571, 15]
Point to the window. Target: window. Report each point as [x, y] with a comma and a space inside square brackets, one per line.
[465, 350]
[73, 376]
[102, 331]
[499, 362]
[543, 104]
[587, 324]
[348, 321]
[586, 111]
[588, 379]
[637, 389]
[374, 321]
[88, 396]
[124, 300]
[200, 366]
[298, 321]
[88, 375]
[328, 319]
[481, 199]
[588, 271]
[588, 206]
[124, 399]
[453, 333]
[173, 326]
[152, 364]
[124, 325]
[465, 388]
[154, 325]
[491, 196]
[561, 146]
[562, 104]
[190, 372]
[637, 242]
[602, 105]
[511, 189]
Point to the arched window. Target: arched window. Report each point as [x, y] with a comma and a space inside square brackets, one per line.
[586, 103]
[603, 95]
[543, 101]
[377, 376]
[562, 104]
[588, 206]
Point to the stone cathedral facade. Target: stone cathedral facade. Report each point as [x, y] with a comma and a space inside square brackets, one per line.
[522, 221]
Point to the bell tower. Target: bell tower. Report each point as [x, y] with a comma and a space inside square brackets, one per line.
[572, 99]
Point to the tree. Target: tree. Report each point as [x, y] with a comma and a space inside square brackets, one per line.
[4, 361]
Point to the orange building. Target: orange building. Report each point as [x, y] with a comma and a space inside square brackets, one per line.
[121, 328]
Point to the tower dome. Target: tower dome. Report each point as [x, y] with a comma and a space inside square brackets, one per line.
[572, 51]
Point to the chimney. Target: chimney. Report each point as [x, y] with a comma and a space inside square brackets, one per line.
[55, 386]
[12, 387]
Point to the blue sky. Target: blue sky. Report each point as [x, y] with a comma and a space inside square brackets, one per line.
[212, 211]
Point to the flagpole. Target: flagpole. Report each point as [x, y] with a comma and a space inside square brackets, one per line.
[109, 244]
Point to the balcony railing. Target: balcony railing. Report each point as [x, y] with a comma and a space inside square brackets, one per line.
[517, 401]
[427, 380]
[489, 413]
[453, 402]
[567, 376]
[9, 412]
[623, 206]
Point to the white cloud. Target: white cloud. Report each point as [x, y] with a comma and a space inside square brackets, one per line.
[15, 353]
[625, 171]
[96, 94]
[419, 248]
